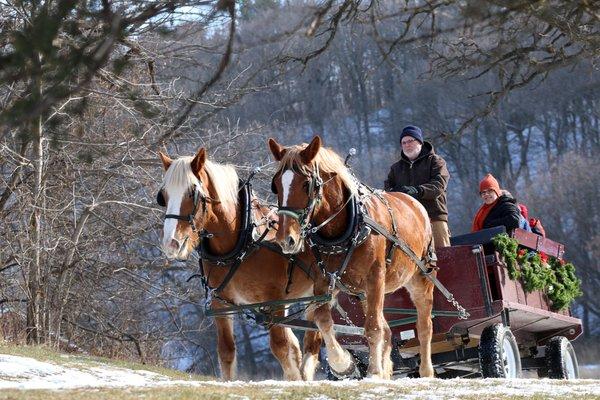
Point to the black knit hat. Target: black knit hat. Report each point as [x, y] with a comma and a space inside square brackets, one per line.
[413, 131]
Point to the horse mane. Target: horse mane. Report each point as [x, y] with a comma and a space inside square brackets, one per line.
[327, 160]
[223, 177]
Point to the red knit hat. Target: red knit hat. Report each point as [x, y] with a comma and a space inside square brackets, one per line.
[489, 182]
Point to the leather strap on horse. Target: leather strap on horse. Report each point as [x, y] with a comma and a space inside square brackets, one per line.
[390, 253]
[276, 249]
[254, 245]
[243, 248]
[420, 262]
[335, 277]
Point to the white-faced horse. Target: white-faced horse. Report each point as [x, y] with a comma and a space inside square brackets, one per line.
[204, 203]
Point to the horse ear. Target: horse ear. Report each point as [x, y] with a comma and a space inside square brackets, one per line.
[310, 152]
[199, 160]
[277, 149]
[166, 160]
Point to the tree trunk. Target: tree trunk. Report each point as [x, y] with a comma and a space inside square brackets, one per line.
[34, 312]
[34, 328]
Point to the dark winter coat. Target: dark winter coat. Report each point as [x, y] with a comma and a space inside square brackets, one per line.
[506, 212]
[428, 173]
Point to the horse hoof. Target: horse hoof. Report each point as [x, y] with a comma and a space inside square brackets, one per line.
[351, 373]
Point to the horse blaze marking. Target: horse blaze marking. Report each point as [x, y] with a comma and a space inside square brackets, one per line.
[286, 181]
[173, 207]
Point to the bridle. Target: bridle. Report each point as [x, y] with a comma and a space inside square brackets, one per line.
[190, 218]
[315, 195]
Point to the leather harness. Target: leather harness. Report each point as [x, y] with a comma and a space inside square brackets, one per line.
[359, 227]
[244, 247]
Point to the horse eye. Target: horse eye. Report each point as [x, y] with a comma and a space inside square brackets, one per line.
[305, 185]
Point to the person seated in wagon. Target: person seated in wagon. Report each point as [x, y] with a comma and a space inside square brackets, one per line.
[499, 208]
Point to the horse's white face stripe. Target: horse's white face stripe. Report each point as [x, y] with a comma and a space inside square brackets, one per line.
[175, 196]
[286, 182]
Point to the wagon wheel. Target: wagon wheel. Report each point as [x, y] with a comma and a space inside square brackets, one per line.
[561, 361]
[498, 353]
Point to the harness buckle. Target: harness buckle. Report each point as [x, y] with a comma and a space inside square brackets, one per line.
[333, 277]
[306, 230]
[429, 271]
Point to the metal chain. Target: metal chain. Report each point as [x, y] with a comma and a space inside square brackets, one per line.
[462, 313]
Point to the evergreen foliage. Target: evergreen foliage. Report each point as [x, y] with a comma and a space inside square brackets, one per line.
[537, 271]
[507, 248]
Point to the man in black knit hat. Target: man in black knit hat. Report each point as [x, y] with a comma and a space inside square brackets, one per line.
[422, 174]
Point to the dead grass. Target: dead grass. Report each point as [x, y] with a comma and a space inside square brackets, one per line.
[321, 392]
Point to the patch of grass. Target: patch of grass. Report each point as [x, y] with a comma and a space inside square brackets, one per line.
[40, 353]
[258, 393]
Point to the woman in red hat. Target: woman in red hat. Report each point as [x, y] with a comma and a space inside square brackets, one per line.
[499, 208]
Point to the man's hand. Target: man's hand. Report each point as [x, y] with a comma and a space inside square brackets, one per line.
[411, 191]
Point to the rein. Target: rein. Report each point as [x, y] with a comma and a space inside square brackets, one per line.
[245, 246]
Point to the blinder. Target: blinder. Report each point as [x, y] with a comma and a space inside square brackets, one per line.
[160, 199]
[273, 186]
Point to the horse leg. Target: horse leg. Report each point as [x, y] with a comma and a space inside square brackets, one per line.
[421, 293]
[226, 347]
[312, 345]
[340, 360]
[388, 365]
[285, 347]
[376, 329]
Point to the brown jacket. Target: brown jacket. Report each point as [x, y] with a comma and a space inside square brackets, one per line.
[428, 173]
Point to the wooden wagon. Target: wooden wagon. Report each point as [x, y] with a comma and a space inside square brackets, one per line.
[509, 330]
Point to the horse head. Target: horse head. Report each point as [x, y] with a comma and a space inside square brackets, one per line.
[185, 196]
[310, 181]
[196, 192]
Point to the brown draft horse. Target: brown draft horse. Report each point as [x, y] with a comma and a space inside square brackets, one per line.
[208, 193]
[313, 185]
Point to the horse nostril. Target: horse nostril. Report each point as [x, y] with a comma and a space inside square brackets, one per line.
[174, 244]
[290, 241]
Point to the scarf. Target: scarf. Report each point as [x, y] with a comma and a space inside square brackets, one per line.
[481, 215]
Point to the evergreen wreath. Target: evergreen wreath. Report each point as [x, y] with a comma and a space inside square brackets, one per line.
[537, 271]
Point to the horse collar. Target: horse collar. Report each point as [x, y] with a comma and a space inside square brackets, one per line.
[245, 234]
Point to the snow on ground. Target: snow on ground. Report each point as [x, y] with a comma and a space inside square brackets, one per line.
[27, 373]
